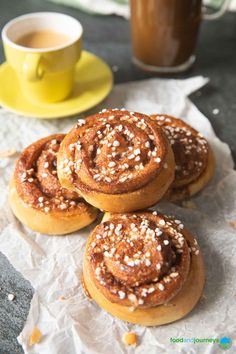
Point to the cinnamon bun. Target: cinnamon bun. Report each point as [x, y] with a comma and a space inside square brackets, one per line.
[144, 268]
[194, 159]
[36, 196]
[119, 161]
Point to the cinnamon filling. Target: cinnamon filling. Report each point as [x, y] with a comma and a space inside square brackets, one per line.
[114, 151]
[140, 260]
[189, 146]
[36, 177]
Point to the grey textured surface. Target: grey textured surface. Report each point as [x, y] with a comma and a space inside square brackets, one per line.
[109, 38]
[12, 313]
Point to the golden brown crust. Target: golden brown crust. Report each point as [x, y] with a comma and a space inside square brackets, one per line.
[36, 196]
[175, 309]
[193, 157]
[141, 263]
[115, 153]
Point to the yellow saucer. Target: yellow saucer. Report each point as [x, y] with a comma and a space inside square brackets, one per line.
[93, 82]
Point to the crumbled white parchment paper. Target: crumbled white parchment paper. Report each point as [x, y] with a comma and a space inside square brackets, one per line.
[53, 264]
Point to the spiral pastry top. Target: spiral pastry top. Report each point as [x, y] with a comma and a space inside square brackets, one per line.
[114, 151]
[139, 260]
[36, 178]
[190, 149]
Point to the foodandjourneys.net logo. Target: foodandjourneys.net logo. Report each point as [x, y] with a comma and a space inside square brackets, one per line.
[224, 342]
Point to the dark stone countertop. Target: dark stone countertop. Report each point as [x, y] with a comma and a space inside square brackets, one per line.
[109, 38]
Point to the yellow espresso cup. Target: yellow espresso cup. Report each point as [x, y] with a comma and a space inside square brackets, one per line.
[46, 74]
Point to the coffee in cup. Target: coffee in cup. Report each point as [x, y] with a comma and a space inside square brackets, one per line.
[43, 49]
[42, 39]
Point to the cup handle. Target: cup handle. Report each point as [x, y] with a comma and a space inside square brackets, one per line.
[32, 69]
[217, 14]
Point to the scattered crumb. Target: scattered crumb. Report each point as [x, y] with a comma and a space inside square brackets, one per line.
[35, 336]
[215, 111]
[114, 68]
[7, 153]
[189, 204]
[11, 297]
[62, 298]
[130, 338]
[203, 299]
[233, 224]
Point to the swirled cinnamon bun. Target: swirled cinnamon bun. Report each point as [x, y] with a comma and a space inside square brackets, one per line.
[36, 196]
[194, 159]
[144, 268]
[117, 160]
